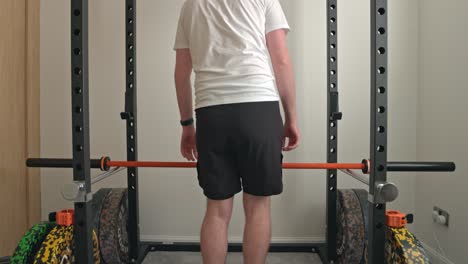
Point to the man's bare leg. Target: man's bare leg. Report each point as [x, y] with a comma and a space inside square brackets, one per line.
[257, 230]
[214, 231]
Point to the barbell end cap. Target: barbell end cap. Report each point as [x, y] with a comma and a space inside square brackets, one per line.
[71, 191]
[386, 192]
[453, 167]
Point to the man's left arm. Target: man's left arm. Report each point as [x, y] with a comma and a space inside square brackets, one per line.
[182, 76]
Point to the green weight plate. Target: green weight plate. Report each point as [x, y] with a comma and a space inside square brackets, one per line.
[112, 220]
[363, 195]
[402, 247]
[30, 243]
[350, 224]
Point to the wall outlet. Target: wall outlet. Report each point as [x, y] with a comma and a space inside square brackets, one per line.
[440, 216]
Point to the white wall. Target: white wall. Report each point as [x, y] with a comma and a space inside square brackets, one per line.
[171, 203]
[442, 124]
[107, 75]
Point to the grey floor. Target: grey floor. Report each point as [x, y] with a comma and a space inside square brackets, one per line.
[233, 258]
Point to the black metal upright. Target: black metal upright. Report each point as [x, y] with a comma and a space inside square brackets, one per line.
[80, 122]
[379, 129]
[333, 115]
[130, 115]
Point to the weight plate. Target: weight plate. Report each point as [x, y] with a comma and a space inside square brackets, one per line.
[402, 247]
[58, 247]
[112, 225]
[67, 250]
[362, 195]
[48, 253]
[350, 224]
[122, 229]
[30, 244]
[98, 201]
[64, 248]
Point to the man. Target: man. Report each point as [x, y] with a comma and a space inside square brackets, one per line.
[240, 133]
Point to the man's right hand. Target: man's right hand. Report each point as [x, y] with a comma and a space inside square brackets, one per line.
[291, 133]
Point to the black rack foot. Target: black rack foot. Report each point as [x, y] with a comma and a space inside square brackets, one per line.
[144, 249]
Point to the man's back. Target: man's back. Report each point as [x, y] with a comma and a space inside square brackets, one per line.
[228, 47]
[239, 133]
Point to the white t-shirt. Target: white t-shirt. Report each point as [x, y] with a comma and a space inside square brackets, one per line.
[227, 41]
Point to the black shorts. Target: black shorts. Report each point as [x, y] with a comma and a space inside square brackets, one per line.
[239, 147]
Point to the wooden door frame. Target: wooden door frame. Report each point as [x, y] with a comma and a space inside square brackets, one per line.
[32, 85]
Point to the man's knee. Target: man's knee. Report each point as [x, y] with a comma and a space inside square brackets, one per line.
[220, 209]
[256, 205]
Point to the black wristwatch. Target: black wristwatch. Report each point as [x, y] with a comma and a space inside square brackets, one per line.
[187, 122]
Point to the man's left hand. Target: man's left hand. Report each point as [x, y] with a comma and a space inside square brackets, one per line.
[188, 143]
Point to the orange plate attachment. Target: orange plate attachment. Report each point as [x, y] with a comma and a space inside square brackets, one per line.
[66, 217]
[396, 219]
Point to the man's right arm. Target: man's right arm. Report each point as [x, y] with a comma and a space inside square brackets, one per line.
[282, 66]
[276, 43]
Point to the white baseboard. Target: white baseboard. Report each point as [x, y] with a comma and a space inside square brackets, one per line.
[435, 256]
[234, 239]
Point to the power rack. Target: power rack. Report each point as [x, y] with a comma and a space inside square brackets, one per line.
[333, 116]
[377, 165]
[378, 144]
[80, 122]
[130, 115]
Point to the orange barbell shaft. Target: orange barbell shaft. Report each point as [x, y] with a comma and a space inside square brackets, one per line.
[299, 166]
[105, 163]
